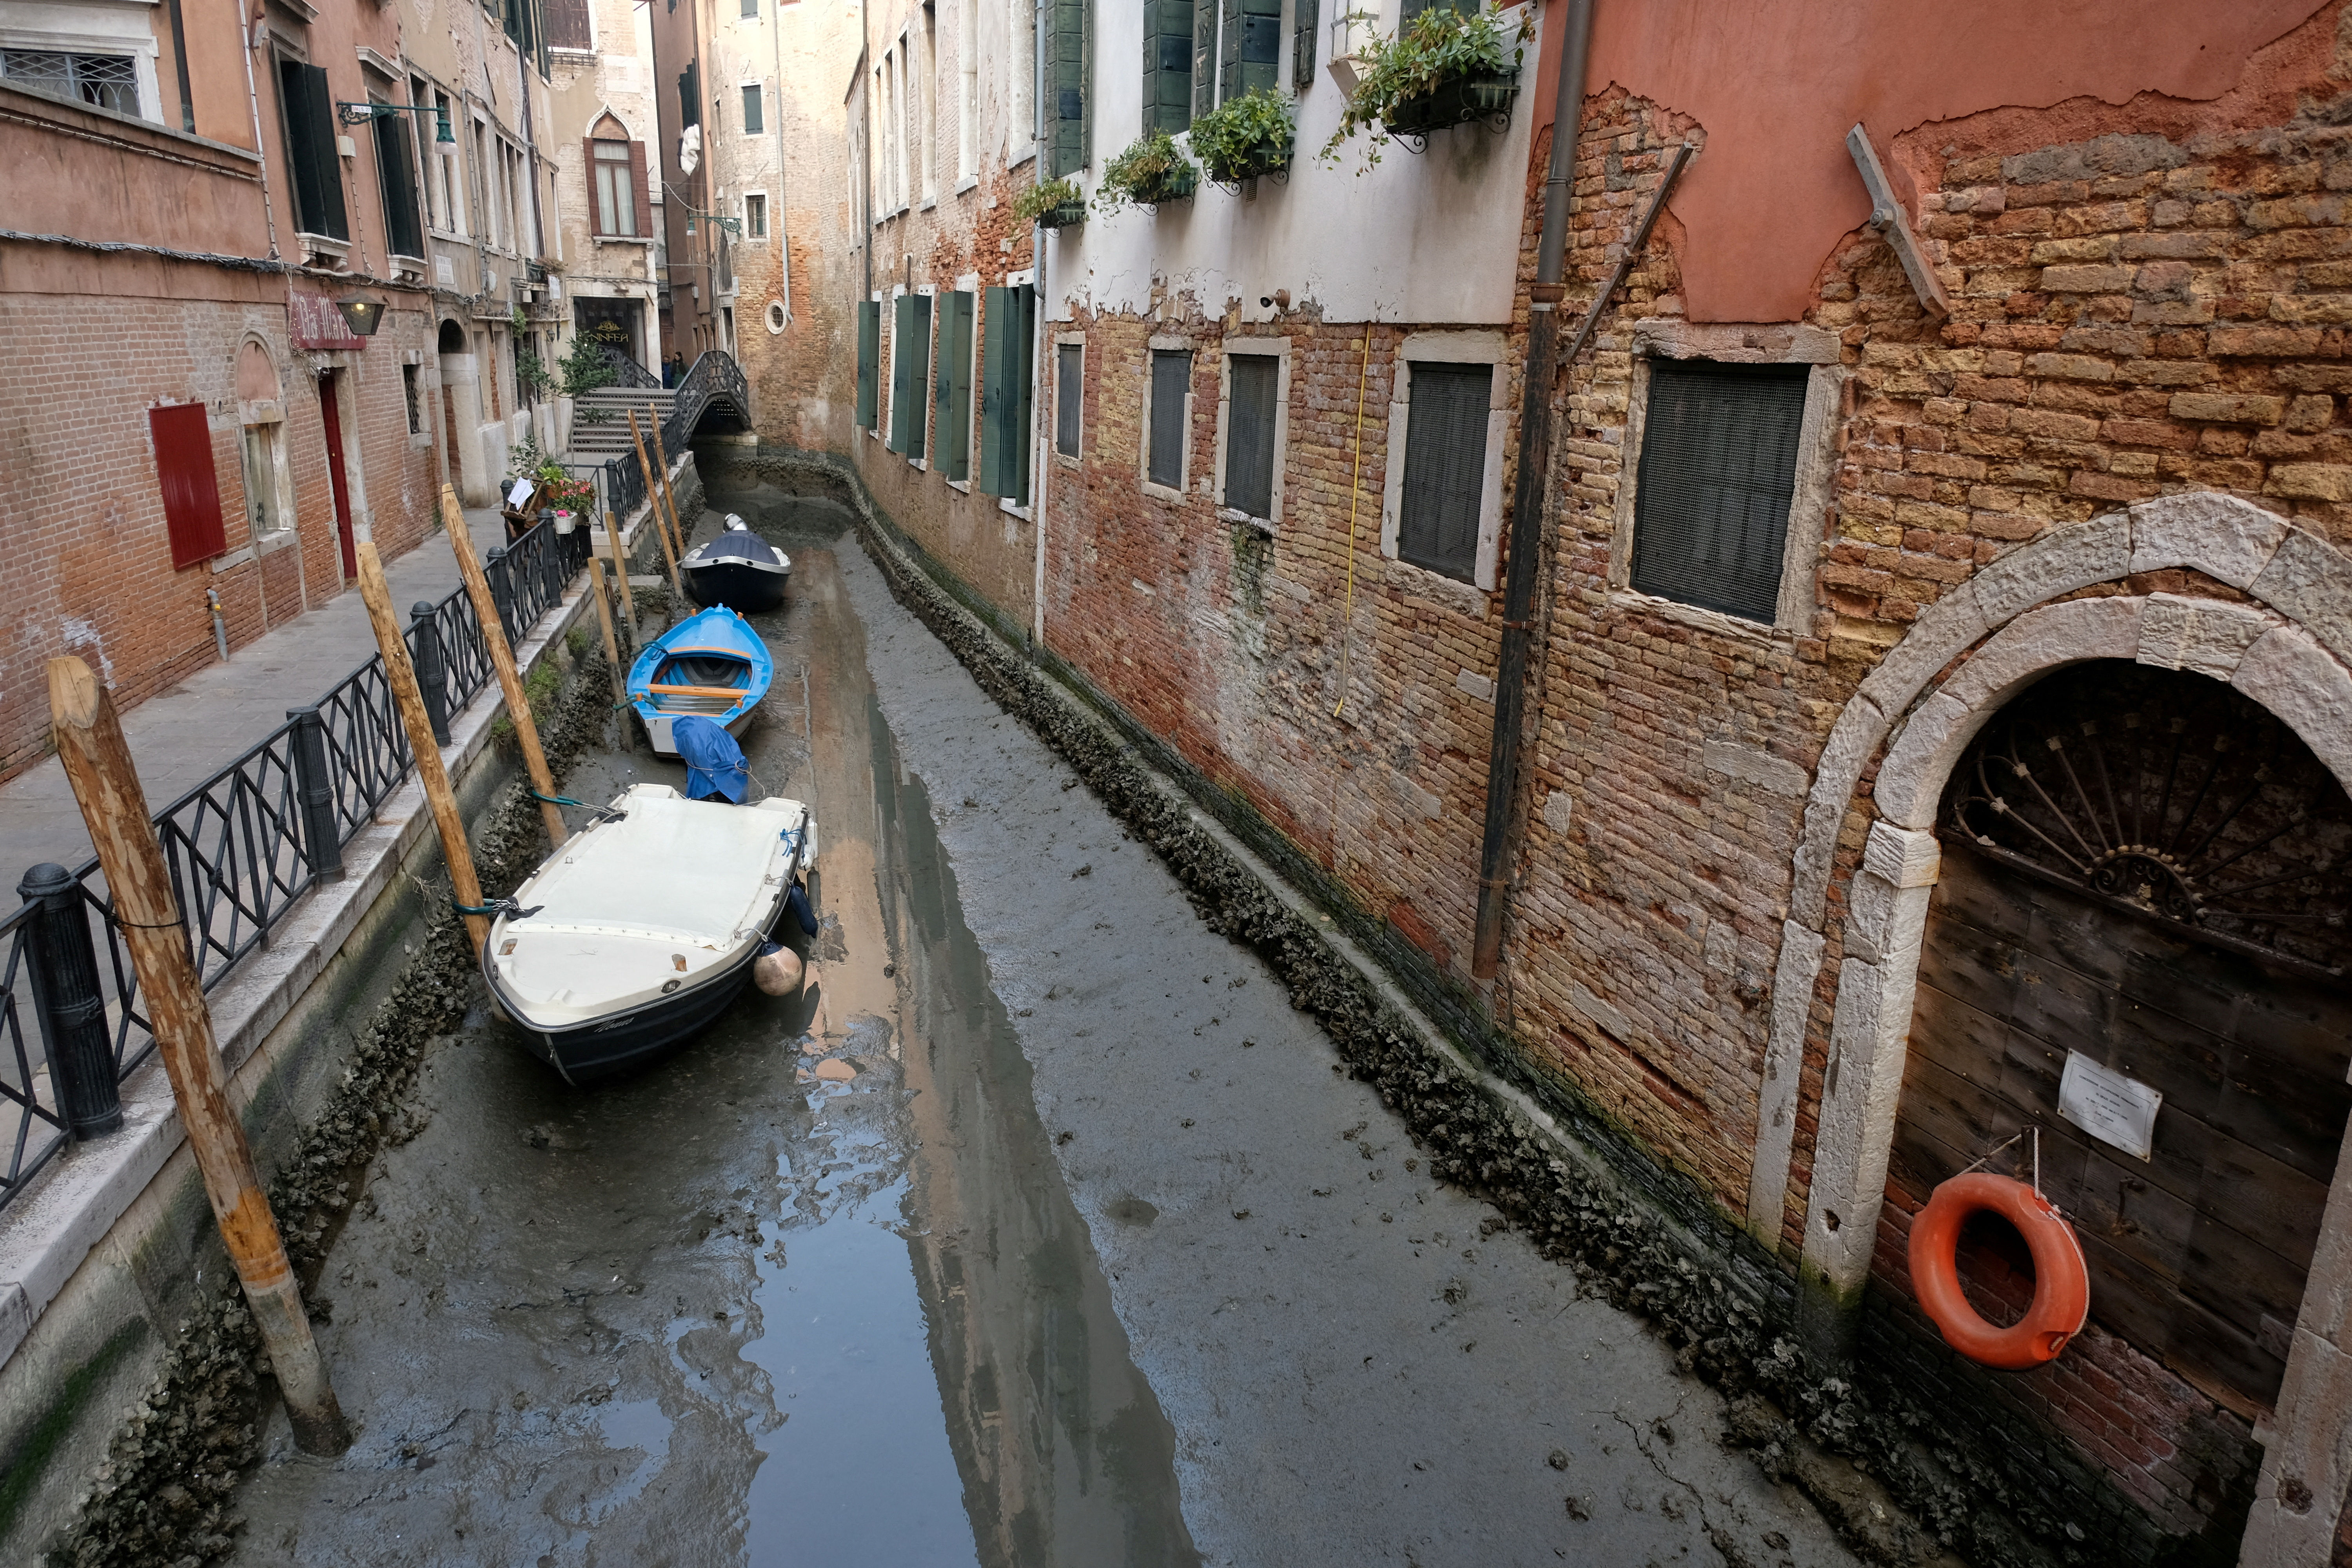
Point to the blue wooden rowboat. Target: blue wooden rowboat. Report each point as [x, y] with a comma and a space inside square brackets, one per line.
[711, 665]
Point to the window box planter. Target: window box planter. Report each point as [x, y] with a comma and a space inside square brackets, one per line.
[1175, 185]
[1153, 171]
[1456, 102]
[1056, 203]
[1065, 215]
[1246, 138]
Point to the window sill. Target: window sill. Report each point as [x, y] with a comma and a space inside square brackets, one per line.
[927, 204]
[1064, 461]
[1454, 593]
[1633, 601]
[1163, 492]
[963, 485]
[968, 183]
[622, 238]
[1235, 514]
[918, 465]
[1015, 162]
[1004, 505]
[322, 243]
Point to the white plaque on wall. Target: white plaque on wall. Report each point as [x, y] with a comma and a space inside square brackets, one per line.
[2108, 1106]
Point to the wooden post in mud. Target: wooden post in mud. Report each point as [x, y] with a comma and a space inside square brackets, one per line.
[106, 784]
[494, 635]
[653, 516]
[620, 571]
[611, 651]
[438, 793]
[662, 459]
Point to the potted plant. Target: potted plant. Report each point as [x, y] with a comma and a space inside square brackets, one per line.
[1444, 67]
[1152, 170]
[1056, 203]
[1246, 136]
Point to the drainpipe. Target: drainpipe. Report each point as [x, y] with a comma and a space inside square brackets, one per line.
[1527, 496]
[1038, 465]
[253, 97]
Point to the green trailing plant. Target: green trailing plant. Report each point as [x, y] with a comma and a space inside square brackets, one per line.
[1246, 136]
[1435, 50]
[1152, 170]
[584, 368]
[524, 458]
[531, 374]
[1056, 203]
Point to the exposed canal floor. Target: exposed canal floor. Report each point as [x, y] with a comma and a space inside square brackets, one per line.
[1038, 1230]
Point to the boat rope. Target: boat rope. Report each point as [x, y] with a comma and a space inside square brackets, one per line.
[506, 907]
[118, 924]
[556, 799]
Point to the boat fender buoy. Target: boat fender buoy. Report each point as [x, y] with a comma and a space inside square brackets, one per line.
[2062, 1286]
[778, 970]
[798, 904]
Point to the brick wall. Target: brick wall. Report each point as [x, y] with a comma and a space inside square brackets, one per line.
[88, 566]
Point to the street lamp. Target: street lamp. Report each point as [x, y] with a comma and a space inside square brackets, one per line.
[445, 139]
[364, 312]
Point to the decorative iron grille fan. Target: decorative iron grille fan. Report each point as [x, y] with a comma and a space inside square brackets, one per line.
[2171, 794]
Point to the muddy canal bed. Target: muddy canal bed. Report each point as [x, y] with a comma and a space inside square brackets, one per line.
[1038, 1230]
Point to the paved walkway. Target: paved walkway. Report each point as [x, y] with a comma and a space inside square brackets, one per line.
[185, 734]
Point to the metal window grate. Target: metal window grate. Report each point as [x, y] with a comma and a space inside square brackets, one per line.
[1249, 433]
[110, 81]
[1070, 388]
[1444, 466]
[1171, 380]
[1718, 465]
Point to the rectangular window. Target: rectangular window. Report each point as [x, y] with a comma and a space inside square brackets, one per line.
[755, 216]
[1249, 50]
[1008, 331]
[416, 407]
[395, 175]
[869, 362]
[1718, 468]
[1256, 381]
[1171, 383]
[910, 371]
[1444, 466]
[1022, 141]
[1069, 395]
[184, 466]
[109, 81]
[927, 103]
[308, 106]
[968, 89]
[951, 389]
[755, 119]
[616, 167]
[751, 10]
[1069, 64]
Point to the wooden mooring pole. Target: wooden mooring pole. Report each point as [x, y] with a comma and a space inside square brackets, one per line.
[621, 571]
[106, 784]
[612, 652]
[438, 793]
[661, 460]
[654, 515]
[494, 635]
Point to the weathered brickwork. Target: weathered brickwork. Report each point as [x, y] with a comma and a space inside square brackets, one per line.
[91, 571]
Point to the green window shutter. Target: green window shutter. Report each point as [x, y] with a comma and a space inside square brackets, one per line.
[1204, 56]
[1024, 301]
[953, 438]
[1444, 466]
[1718, 468]
[1229, 48]
[1302, 58]
[902, 328]
[917, 352]
[1167, 66]
[1068, 50]
[869, 361]
[995, 333]
[1253, 46]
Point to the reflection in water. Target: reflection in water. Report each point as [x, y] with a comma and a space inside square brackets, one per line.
[1064, 1454]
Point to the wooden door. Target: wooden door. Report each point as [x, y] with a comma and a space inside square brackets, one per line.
[2143, 867]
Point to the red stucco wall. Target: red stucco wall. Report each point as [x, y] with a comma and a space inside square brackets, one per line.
[1775, 84]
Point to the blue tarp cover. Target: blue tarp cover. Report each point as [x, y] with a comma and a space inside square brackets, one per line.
[714, 763]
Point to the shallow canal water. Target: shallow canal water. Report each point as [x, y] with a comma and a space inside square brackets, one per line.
[811, 1291]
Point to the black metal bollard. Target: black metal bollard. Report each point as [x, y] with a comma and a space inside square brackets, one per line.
[66, 996]
[494, 567]
[322, 842]
[432, 670]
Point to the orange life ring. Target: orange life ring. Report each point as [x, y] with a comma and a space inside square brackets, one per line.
[2062, 1286]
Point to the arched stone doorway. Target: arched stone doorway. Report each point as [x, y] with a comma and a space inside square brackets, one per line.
[461, 415]
[2287, 647]
[2143, 874]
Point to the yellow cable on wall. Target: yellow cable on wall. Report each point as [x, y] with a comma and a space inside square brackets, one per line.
[1355, 493]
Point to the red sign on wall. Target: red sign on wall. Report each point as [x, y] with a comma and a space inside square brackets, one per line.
[316, 324]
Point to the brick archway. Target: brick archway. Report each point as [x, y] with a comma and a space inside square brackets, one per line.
[2289, 651]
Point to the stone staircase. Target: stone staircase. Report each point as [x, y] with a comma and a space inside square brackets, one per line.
[599, 420]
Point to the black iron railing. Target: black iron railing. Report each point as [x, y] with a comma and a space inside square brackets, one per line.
[715, 382]
[241, 848]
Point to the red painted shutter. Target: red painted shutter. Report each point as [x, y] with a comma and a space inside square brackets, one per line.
[183, 466]
[644, 192]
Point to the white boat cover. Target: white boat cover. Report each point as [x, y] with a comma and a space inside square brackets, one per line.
[676, 890]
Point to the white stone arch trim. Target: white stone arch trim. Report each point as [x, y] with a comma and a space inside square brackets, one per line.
[606, 112]
[2296, 573]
